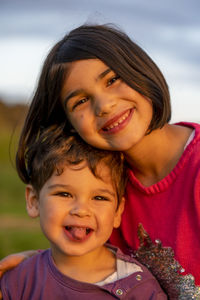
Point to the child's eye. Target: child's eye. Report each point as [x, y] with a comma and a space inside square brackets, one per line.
[101, 198]
[79, 102]
[112, 80]
[63, 194]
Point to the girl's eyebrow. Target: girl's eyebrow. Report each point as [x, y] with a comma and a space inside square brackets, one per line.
[81, 91]
[103, 74]
[71, 95]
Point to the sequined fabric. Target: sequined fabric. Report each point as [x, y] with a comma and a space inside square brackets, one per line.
[160, 260]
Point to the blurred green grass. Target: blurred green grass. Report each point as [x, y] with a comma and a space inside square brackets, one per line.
[18, 232]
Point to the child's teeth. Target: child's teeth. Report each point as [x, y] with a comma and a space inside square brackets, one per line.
[118, 122]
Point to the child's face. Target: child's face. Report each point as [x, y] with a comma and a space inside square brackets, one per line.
[77, 210]
[105, 111]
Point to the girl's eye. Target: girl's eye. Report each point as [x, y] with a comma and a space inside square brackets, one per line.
[112, 80]
[79, 102]
[101, 198]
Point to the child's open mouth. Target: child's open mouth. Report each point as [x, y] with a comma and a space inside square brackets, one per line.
[77, 233]
[117, 124]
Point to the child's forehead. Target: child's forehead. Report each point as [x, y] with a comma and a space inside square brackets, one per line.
[101, 168]
[101, 171]
[75, 73]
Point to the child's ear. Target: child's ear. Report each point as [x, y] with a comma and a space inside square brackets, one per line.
[119, 212]
[32, 203]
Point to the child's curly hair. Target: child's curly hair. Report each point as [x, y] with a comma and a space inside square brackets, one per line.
[53, 149]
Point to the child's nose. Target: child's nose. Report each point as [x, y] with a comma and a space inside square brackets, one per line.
[104, 105]
[80, 209]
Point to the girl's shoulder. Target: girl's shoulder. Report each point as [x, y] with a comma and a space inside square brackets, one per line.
[190, 125]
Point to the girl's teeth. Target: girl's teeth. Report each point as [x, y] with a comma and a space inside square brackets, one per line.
[118, 122]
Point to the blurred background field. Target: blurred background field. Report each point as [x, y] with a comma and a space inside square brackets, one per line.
[17, 230]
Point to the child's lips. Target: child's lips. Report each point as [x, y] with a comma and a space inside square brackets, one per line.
[78, 233]
[117, 122]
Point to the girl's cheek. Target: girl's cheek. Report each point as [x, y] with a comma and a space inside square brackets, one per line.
[80, 124]
[82, 118]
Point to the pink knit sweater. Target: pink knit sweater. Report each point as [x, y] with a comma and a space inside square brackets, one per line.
[168, 210]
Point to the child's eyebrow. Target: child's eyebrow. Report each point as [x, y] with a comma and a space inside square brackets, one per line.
[106, 191]
[81, 91]
[103, 74]
[58, 185]
[72, 94]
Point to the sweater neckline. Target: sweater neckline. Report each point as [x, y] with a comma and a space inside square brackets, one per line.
[164, 183]
[85, 286]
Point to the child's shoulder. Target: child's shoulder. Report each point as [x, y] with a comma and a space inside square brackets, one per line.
[14, 280]
[192, 125]
[30, 264]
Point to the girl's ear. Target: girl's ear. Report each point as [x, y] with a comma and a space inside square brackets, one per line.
[118, 214]
[32, 202]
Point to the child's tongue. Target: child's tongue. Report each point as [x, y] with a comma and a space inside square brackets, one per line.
[78, 233]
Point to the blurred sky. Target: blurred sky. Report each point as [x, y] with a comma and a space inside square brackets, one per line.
[169, 30]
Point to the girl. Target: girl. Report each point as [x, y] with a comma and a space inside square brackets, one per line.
[111, 92]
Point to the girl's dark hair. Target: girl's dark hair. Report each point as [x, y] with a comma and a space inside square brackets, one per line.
[54, 149]
[118, 52]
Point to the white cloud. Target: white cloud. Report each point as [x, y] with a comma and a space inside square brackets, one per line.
[20, 60]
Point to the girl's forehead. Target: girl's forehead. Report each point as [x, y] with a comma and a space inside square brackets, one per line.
[94, 64]
[82, 72]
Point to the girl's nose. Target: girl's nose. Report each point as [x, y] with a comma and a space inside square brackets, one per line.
[104, 105]
[80, 210]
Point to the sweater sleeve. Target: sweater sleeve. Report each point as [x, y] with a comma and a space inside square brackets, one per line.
[6, 289]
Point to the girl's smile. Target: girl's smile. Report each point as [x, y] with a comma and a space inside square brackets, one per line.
[102, 108]
[117, 123]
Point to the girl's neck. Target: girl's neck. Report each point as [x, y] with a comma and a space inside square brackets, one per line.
[91, 267]
[158, 153]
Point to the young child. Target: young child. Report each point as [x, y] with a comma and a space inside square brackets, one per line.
[77, 192]
[115, 97]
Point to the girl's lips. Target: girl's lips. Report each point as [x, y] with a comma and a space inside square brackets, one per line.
[78, 233]
[117, 123]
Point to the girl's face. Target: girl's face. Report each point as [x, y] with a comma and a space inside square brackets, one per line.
[104, 110]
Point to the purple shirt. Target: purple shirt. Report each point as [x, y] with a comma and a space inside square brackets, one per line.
[38, 278]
